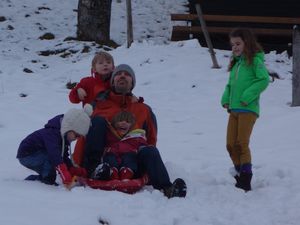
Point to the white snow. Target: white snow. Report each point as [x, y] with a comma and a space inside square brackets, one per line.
[177, 80]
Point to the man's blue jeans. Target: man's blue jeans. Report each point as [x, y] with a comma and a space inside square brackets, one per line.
[94, 145]
[150, 162]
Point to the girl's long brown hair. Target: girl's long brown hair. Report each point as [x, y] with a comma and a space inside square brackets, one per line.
[251, 45]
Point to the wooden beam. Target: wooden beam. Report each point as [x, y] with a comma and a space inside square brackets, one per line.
[184, 17]
[296, 67]
[207, 37]
[242, 19]
[226, 30]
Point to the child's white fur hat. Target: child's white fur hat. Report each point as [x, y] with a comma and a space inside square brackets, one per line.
[77, 120]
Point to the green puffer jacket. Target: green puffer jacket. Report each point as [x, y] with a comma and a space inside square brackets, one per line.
[246, 83]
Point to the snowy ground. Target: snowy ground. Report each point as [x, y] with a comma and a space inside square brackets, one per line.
[176, 79]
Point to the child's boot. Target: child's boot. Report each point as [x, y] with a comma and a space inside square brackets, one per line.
[33, 177]
[102, 172]
[126, 173]
[114, 173]
[49, 178]
[234, 171]
[244, 181]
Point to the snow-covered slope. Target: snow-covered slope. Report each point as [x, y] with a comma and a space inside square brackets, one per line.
[177, 80]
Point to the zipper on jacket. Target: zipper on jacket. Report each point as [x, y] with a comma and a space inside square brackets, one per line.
[235, 78]
[237, 70]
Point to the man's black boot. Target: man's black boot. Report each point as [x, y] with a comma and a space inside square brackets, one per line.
[177, 189]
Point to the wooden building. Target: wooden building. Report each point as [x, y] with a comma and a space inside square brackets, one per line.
[273, 21]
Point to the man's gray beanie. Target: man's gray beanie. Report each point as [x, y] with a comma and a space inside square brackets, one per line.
[126, 68]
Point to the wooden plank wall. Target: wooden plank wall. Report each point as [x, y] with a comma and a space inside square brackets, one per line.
[287, 8]
[272, 8]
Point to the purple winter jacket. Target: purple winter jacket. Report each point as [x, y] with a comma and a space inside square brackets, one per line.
[48, 140]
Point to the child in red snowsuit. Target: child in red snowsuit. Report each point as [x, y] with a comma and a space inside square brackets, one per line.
[123, 143]
[88, 87]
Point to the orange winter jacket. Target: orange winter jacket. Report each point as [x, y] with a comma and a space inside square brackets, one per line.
[108, 104]
[92, 85]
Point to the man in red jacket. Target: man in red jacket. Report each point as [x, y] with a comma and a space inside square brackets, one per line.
[108, 104]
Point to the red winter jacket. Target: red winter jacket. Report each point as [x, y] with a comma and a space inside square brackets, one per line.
[131, 142]
[92, 86]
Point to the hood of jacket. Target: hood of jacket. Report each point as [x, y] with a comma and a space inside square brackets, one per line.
[259, 55]
[54, 122]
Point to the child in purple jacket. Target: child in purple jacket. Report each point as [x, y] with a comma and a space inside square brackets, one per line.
[46, 150]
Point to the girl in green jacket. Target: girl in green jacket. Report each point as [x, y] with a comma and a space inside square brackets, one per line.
[248, 79]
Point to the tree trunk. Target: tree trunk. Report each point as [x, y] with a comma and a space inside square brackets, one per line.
[129, 23]
[94, 20]
[296, 67]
